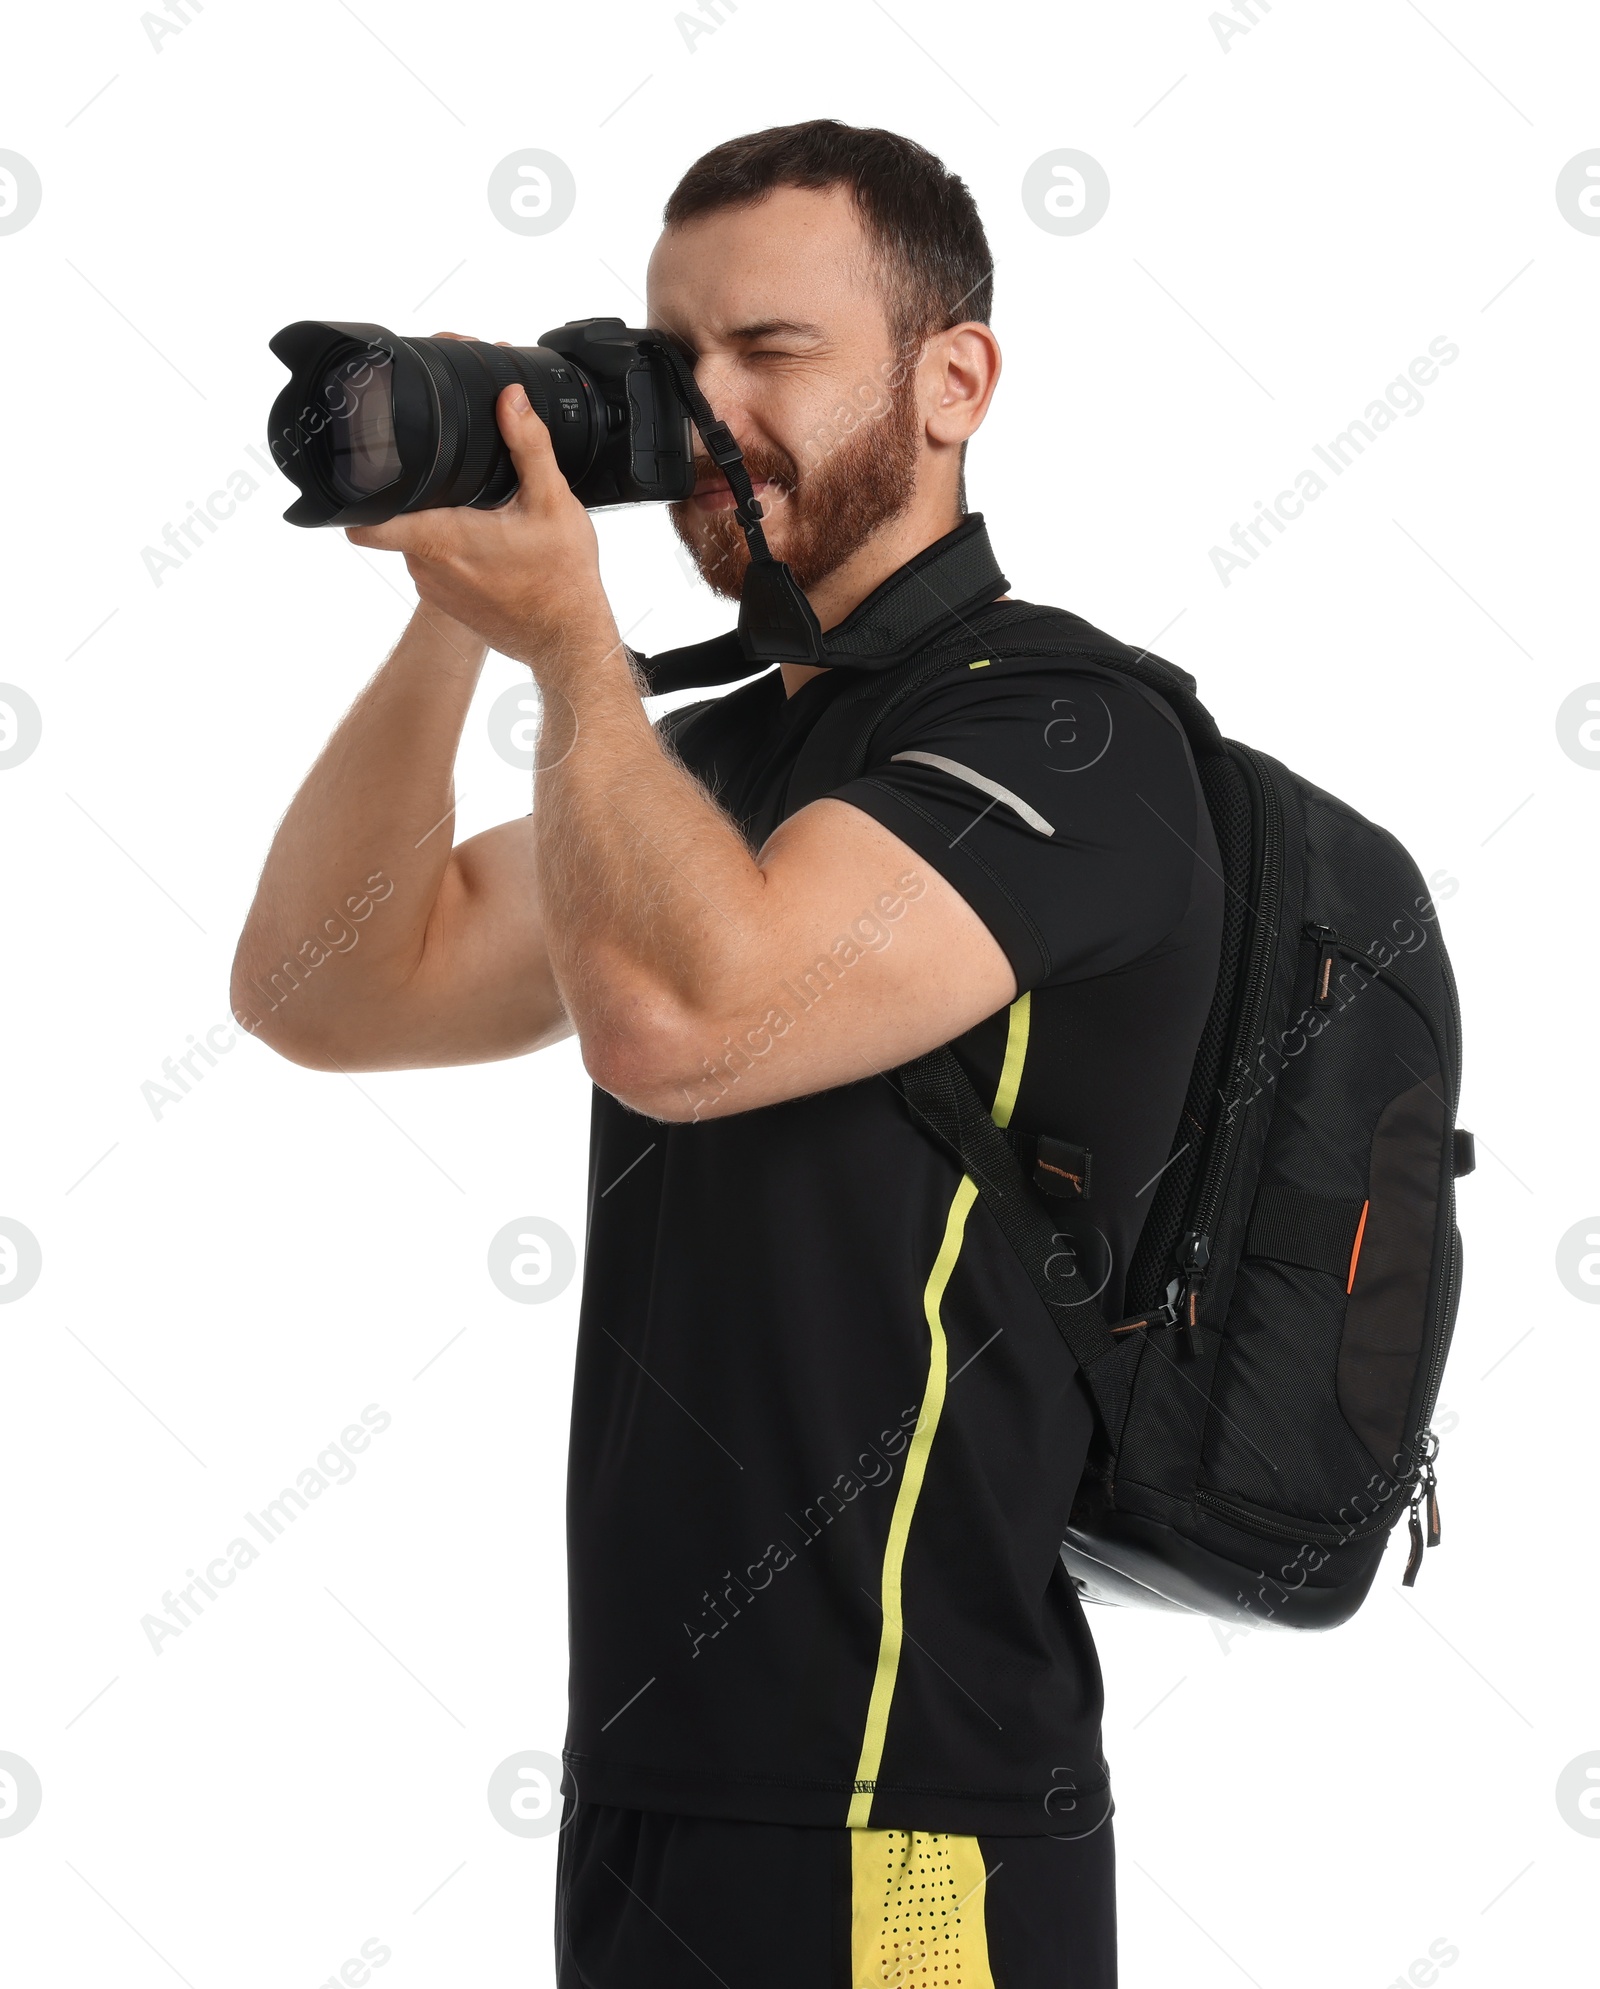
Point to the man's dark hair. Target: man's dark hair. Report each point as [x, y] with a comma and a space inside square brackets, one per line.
[919, 218]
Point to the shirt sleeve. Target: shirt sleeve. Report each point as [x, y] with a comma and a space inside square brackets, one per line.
[1058, 798]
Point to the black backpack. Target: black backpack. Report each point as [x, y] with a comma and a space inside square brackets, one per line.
[1263, 1413]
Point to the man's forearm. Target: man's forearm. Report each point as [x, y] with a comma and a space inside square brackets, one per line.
[694, 969]
[356, 865]
[649, 892]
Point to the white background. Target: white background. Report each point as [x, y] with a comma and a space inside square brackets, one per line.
[1292, 220]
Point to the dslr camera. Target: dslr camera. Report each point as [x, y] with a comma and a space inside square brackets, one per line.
[372, 424]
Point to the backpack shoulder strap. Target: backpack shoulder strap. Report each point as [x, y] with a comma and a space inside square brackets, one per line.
[935, 1086]
[942, 1097]
[839, 745]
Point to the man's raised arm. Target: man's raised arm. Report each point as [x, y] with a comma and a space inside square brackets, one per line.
[373, 944]
[668, 938]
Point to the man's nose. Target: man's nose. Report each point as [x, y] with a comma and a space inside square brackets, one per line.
[717, 379]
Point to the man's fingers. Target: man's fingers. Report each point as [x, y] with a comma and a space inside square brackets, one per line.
[529, 442]
[406, 534]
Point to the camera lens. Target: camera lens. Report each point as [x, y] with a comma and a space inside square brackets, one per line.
[371, 425]
[363, 449]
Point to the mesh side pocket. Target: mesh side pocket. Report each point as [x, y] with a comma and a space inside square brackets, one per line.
[1274, 1439]
[1386, 1315]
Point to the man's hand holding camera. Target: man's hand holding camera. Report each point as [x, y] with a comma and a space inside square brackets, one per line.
[525, 575]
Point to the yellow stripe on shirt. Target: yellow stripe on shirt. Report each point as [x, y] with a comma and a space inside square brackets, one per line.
[905, 1505]
[1005, 1098]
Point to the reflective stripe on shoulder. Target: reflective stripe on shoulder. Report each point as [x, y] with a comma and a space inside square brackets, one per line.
[973, 778]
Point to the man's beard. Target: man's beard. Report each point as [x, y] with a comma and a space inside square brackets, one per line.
[829, 512]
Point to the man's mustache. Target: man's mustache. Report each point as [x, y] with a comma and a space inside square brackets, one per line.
[760, 466]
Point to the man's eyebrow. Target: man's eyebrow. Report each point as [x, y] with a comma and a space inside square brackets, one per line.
[774, 328]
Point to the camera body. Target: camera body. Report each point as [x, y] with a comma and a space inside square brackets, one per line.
[371, 425]
[651, 457]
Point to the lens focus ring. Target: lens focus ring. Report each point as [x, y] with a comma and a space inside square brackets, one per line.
[451, 415]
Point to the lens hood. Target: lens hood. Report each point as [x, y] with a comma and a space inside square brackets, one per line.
[303, 416]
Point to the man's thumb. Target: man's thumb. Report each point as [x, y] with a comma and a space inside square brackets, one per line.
[528, 440]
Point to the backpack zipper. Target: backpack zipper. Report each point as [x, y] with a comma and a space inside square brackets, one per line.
[1314, 1532]
[1194, 1248]
[1426, 1488]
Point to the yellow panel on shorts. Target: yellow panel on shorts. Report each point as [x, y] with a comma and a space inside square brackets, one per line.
[916, 1919]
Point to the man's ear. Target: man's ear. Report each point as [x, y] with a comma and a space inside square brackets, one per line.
[965, 366]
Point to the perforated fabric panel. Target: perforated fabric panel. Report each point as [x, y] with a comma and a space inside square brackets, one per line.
[917, 1919]
[1228, 800]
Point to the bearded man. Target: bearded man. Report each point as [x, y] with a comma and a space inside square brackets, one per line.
[835, 1712]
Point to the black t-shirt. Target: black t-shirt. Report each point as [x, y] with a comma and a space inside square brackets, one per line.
[825, 1433]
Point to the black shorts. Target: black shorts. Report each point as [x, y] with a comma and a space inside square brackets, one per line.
[650, 1901]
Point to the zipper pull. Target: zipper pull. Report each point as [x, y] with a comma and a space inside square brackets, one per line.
[1430, 1488]
[1430, 1494]
[1414, 1558]
[1327, 961]
[1195, 1254]
[1424, 1499]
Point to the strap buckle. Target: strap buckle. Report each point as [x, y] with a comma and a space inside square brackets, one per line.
[720, 445]
[1061, 1168]
[1056, 1167]
[1161, 1315]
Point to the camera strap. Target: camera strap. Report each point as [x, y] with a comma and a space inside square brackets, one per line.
[942, 592]
[777, 624]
